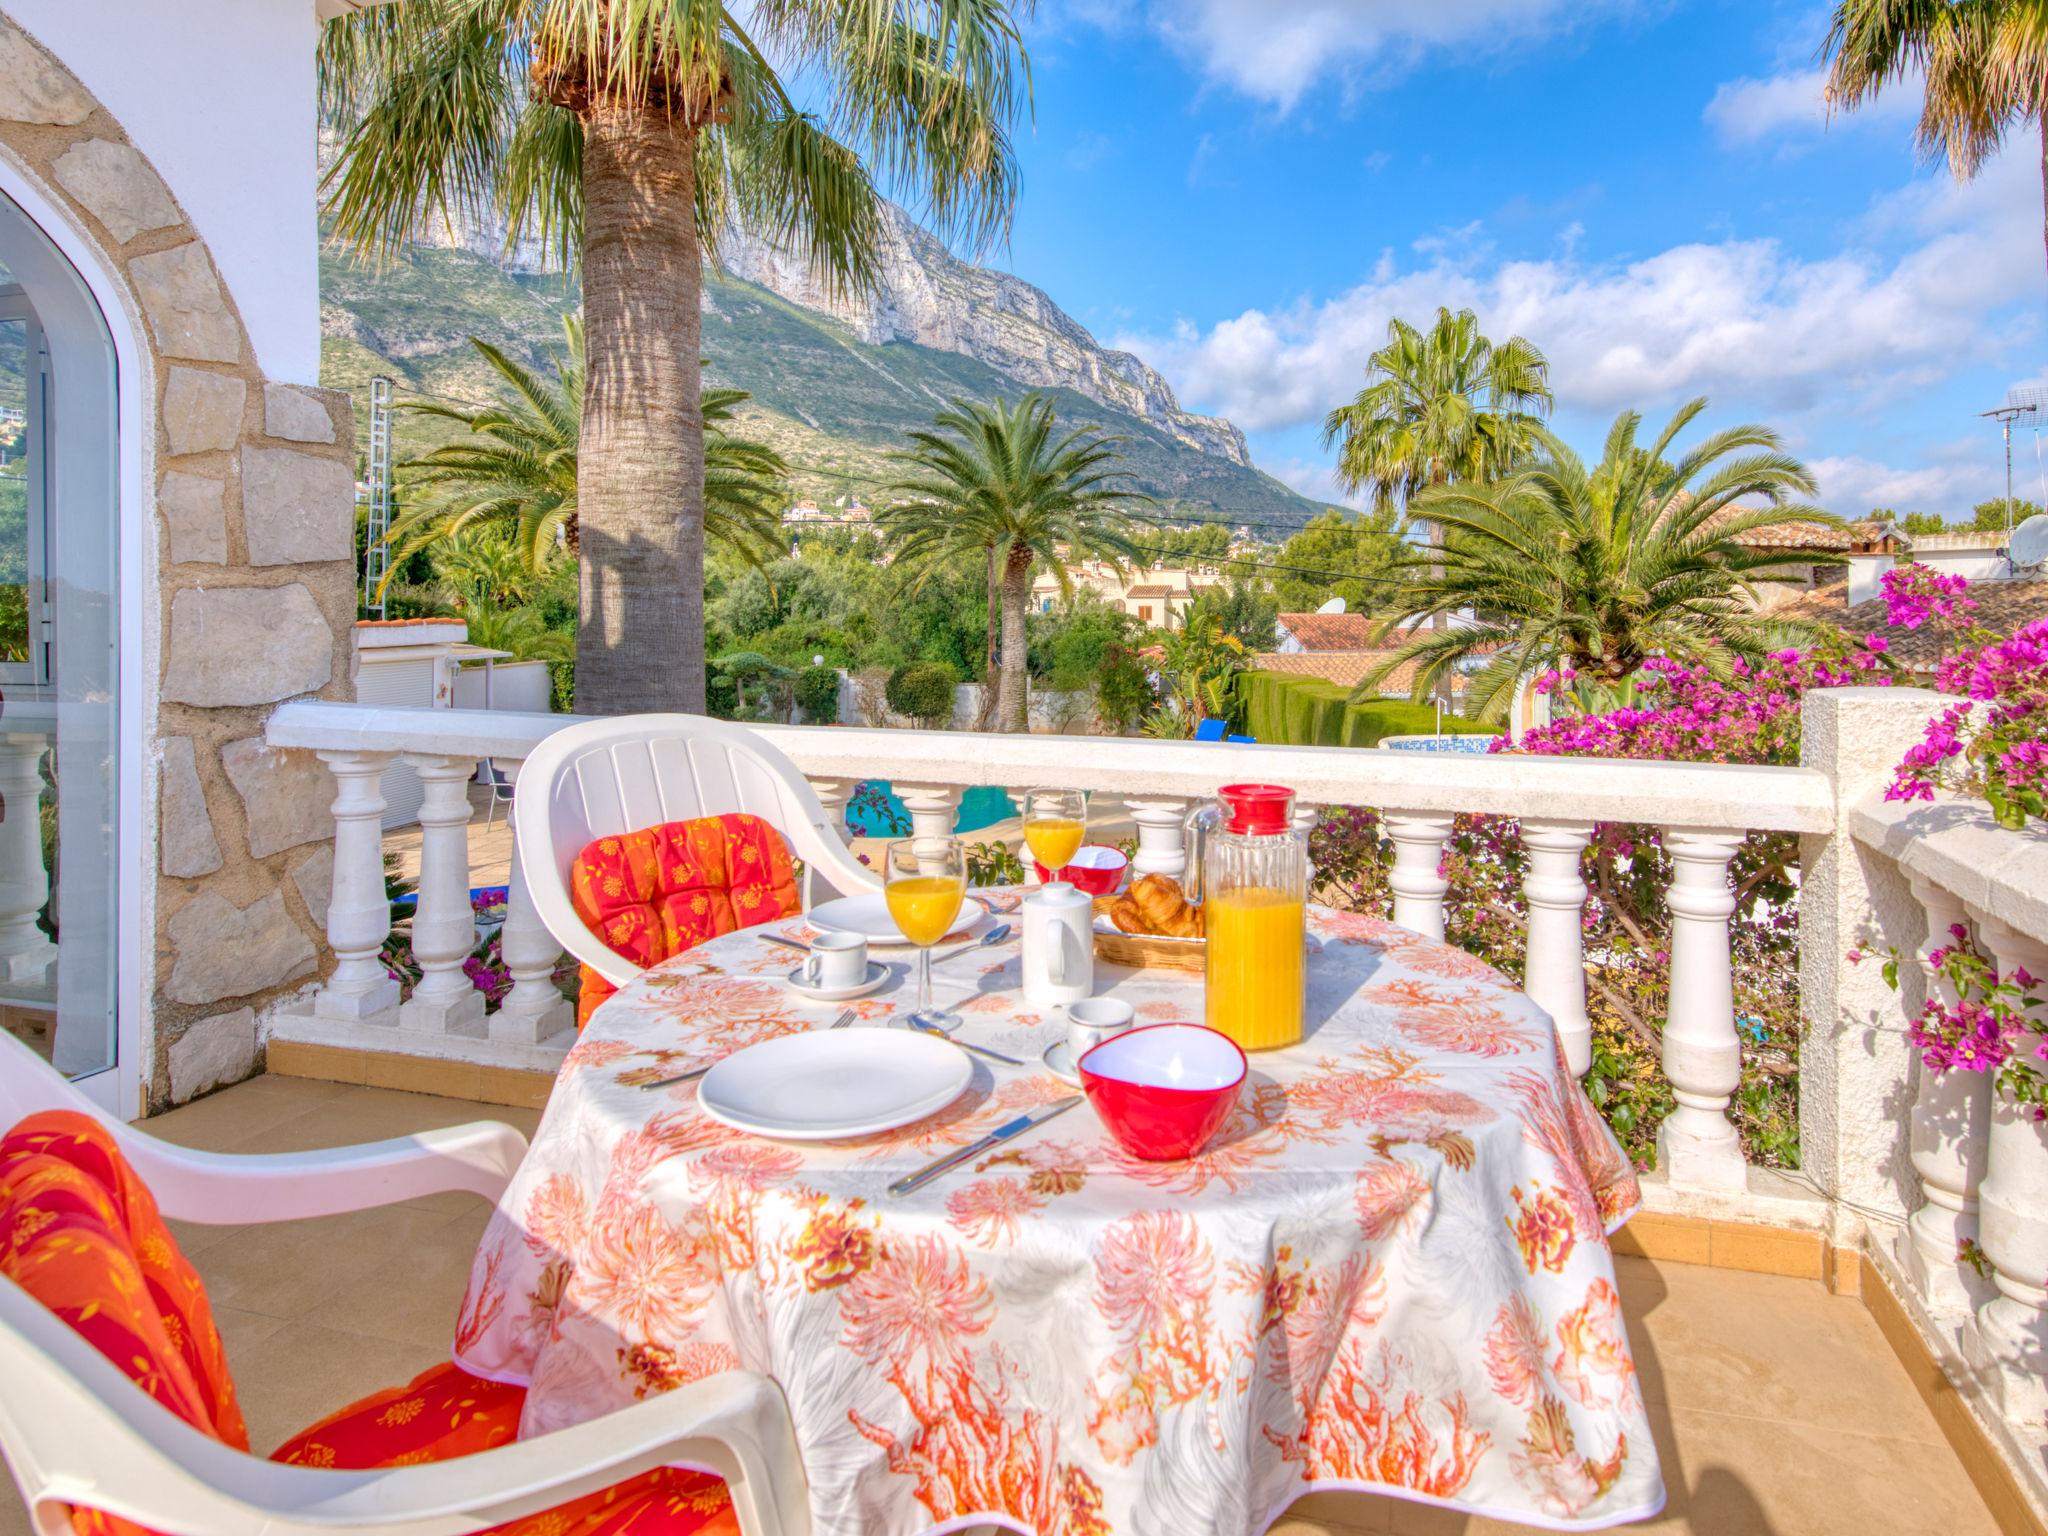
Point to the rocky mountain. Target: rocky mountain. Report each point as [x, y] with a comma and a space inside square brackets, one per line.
[928, 296]
[836, 382]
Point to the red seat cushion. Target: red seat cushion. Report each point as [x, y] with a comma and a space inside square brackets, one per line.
[662, 890]
[81, 1233]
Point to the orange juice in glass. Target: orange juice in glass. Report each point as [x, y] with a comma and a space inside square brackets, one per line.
[926, 885]
[1254, 885]
[1055, 822]
[1255, 970]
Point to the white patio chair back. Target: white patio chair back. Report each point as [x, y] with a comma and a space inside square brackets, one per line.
[618, 775]
[75, 1431]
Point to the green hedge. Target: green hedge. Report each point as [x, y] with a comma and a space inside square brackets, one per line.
[1284, 710]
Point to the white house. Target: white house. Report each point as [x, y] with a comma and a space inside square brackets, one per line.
[176, 539]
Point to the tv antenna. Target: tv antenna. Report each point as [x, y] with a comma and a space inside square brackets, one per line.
[2018, 403]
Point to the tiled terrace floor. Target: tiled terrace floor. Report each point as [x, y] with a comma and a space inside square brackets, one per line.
[1779, 1409]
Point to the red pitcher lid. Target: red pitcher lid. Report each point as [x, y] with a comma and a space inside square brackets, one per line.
[1257, 808]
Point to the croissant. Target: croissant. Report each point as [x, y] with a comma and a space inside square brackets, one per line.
[1156, 904]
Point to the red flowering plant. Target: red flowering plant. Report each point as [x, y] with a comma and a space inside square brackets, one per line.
[1747, 714]
[1995, 743]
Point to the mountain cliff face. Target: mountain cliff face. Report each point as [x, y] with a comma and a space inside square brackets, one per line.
[929, 296]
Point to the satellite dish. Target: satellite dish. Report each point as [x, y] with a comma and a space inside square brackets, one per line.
[2030, 541]
[1336, 604]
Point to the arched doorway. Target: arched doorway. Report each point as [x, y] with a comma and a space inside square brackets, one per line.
[61, 769]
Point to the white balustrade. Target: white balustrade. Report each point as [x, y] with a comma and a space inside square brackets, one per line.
[933, 810]
[1162, 836]
[1947, 1138]
[534, 1010]
[361, 990]
[1554, 970]
[1697, 1145]
[1417, 877]
[26, 952]
[2011, 1342]
[444, 1000]
[834, 794]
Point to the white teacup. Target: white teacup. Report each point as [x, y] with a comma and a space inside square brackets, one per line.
[1093, 1020]
[836, 960]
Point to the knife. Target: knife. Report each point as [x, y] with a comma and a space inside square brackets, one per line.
[776, 938]
[996, 1137]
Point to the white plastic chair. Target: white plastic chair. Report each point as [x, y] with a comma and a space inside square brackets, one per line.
[618, 775]
[76, 1431]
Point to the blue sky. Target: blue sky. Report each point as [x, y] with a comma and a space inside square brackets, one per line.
[1243, 191]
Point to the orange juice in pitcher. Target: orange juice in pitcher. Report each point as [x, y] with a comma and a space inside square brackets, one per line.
[1254, 886]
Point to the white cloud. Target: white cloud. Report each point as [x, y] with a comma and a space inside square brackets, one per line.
[1274, 50]
[1745, 321]
[1795, 104]
[1853, 485]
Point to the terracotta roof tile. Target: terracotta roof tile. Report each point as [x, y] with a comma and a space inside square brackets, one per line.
[1335, 631]
[2002, 606]
[1148, 591]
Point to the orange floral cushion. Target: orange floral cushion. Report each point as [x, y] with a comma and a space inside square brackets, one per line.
[661, 890]
[80, 1232]
[446, 1412]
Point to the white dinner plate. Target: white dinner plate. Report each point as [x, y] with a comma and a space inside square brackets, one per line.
[869, 915]
[827, 1084]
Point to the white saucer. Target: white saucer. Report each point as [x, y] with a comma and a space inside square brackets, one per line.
[1059, 1061]
[868, 915]
[877, 974]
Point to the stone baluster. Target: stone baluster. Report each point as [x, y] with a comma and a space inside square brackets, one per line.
[1162, 837]
[833, 794]
[933, 810]
[534, 1009]
[25, 950]
[1555, 965]
[1697, 1145]
[2009, 1346]
[361, 990]
[1950, 1127]
[444, 1000]
[1417, 876]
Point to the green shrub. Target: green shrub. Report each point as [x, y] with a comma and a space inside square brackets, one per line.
[817, 694]
[1284, 710]
[923, 690]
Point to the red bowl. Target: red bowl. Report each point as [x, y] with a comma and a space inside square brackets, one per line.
[1163, 1090]
[1096, 870]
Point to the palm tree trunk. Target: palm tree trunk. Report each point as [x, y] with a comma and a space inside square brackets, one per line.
[640, 462]
[985, 717]
[2044, 184]
[1013, 705]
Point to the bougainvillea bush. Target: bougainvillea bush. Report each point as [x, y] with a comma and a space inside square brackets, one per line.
[1995, 744]
[1748, 715]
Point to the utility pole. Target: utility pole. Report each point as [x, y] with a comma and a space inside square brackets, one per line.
[2005, 416]
[377, 498]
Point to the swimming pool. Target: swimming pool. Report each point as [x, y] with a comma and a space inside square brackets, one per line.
[980, 806]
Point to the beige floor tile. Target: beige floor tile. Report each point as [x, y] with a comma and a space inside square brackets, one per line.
[1338, 1514]
[1766, 1347]
[304, 1372]
[222, 1122]
[293, 1269]
[413, 1297]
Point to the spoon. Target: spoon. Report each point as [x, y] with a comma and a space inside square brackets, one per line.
[995, 935]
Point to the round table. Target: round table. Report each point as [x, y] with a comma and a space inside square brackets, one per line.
[1389, 1274]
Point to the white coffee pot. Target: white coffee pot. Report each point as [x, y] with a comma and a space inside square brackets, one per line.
[1059, 946]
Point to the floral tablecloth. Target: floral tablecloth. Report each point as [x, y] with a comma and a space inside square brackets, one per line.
[1390, 1274]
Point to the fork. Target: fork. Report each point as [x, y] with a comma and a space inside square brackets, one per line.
[844, 1019]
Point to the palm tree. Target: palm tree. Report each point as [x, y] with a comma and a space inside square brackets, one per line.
[517, 472]
[1983, 63]
[626, 134]
[991, 481]
[1439, 406]
[1598, 570]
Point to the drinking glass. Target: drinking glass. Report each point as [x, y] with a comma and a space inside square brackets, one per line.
[926, 886]
[1055, 822]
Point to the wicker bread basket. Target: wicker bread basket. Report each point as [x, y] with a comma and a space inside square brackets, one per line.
[1143, 949]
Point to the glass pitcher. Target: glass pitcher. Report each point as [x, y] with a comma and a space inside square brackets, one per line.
[1249, 867]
